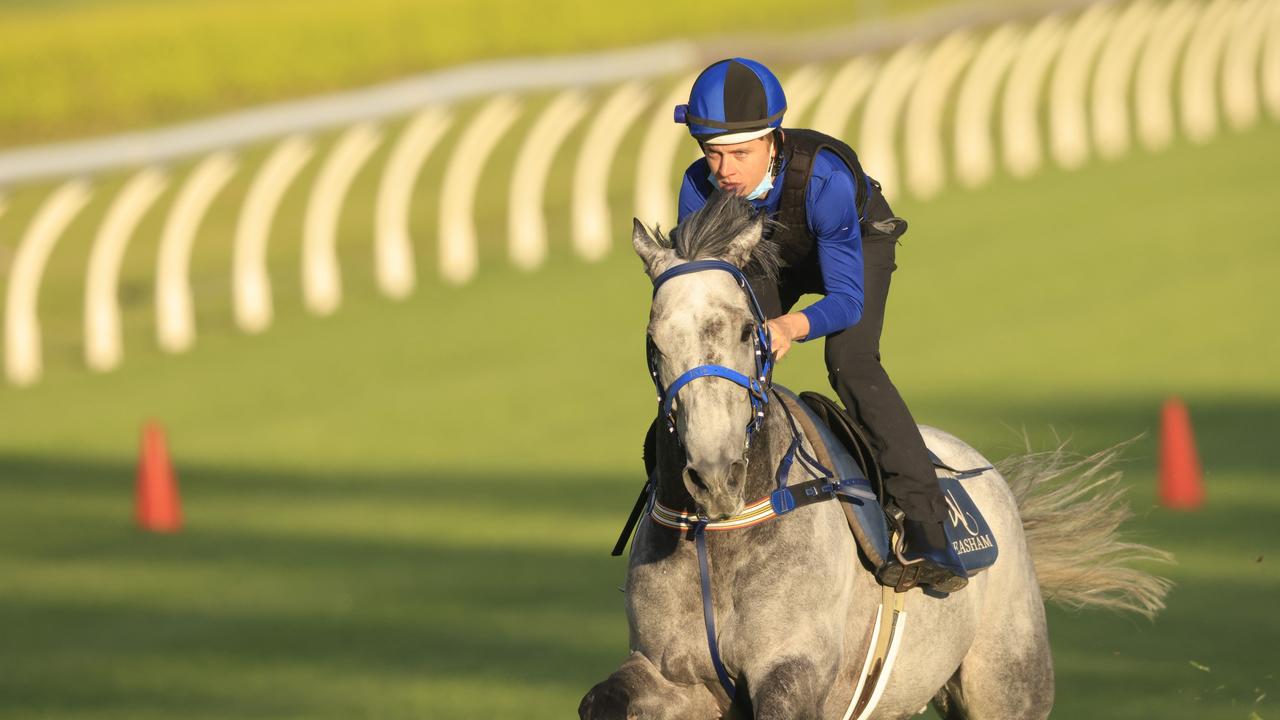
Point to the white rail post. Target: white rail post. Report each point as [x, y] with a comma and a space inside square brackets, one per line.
[458, 254]
[22, 326]
[1200, 71]
[844, 92]
[250, 283]
[321, 276]
[1154, 88]
[526, 216]
[175, 317]
[393, 246]
[103, 340]
[1068, 104]
[1114, 78]
[1239, 66]
[1271, 64]
[654, 190]
[591, 217]
[1020, 121]
[802, 87]
[879, 131]
[925, 167]
[975, 106]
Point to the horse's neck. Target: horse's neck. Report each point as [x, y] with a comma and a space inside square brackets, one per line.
[768, 446]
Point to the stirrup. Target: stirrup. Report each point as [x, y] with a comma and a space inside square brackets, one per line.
[920, 573]
[902, 574]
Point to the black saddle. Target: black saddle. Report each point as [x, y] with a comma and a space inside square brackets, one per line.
[850, 435]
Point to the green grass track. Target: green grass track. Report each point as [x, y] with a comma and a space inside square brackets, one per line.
[405, 510]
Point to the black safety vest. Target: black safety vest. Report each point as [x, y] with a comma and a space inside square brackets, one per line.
[796, 242]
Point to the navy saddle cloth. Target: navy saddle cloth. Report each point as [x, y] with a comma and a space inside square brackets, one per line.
[840, 446]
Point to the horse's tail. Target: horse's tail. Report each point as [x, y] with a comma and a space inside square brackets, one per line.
[1072, 508]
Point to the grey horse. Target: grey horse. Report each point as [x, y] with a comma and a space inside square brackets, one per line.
[793, 604]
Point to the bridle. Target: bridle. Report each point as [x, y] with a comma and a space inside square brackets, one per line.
[757, 386]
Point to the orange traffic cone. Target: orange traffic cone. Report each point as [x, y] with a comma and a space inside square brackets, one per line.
[158, 506]
[1181, 482]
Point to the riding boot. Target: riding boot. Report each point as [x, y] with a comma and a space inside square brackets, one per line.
[921, 557]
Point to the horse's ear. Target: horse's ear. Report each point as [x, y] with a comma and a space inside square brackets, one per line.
[744, 244]
[656, 258]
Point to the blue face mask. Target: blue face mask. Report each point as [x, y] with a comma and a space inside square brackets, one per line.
[766, 184]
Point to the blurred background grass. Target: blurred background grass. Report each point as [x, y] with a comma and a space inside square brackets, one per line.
[77, 67]
[405, 509]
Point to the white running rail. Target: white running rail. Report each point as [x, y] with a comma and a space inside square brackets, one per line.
[942, 101]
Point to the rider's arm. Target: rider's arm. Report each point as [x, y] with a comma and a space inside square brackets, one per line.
[833, 219]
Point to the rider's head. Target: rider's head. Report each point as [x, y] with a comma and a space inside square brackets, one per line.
[735, 111]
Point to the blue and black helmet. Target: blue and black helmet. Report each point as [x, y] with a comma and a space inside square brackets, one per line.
[732, 101]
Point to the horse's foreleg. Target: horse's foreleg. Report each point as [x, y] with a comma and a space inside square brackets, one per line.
[791, 689]
[637, 691]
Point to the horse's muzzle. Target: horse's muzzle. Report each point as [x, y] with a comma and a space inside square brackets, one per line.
[716, 490]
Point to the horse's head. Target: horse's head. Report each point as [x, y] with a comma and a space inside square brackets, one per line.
[703, 326]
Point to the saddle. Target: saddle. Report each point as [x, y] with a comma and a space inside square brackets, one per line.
[841, 445]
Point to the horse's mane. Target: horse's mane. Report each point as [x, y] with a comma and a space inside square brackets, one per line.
[708, 234]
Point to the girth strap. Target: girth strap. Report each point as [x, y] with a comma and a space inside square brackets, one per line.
[886, 636]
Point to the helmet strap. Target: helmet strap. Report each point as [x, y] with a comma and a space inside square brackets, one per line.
[775, 165]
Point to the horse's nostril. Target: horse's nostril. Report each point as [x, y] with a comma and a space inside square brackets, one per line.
[696, 479]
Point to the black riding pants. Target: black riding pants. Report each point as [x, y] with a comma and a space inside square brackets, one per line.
[858, 377]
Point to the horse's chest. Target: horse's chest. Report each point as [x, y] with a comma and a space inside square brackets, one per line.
[664, 605]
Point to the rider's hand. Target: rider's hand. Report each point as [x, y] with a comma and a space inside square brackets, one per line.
[783, 330]
[779, 343]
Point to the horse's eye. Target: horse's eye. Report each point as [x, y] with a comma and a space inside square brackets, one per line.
[747, 331]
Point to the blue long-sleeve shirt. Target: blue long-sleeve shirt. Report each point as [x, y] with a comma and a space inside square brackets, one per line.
[832, 216]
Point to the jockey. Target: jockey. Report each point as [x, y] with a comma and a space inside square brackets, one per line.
[836, 237]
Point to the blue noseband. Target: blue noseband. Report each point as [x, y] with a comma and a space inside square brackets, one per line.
[757, 387]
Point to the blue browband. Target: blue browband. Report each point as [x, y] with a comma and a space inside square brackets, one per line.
[700, 265]
[757, 387]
